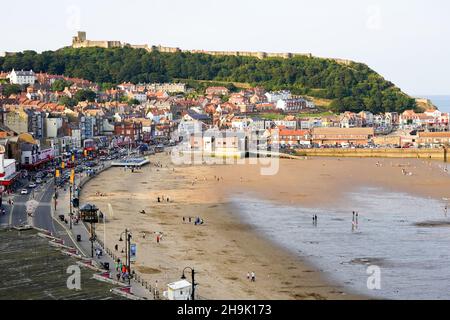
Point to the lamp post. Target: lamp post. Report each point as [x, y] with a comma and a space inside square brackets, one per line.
[183, 277]
[128, 237]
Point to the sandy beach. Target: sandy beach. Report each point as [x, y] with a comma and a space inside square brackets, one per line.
[224, 249]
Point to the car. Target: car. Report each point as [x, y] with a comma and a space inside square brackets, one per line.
[32, 185]
[24, 192]
[38, 180]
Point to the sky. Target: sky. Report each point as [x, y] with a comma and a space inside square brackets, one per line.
[406, 41]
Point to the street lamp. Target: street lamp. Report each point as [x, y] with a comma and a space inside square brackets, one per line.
[128, 237]
[183, 277]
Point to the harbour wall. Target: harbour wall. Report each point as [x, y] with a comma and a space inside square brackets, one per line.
[434, 154]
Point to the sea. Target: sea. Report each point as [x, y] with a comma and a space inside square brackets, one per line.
[398, 249]
[442, 101]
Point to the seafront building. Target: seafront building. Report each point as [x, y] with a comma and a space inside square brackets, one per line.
[36, 126]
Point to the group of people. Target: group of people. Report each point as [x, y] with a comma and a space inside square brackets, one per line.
[158, 165]
[251, 276]
[198, 221]
[315, 220]
[406, 173]
[122, 271]
[163, 199]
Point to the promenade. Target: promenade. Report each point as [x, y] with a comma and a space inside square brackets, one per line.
[138, 287]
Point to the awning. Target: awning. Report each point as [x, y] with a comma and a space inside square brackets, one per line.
[9, 180]
[34, 165]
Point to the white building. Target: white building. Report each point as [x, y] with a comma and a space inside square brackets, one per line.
[274, 97]
[8, 173]
[53, 125]
[294, 105]
[292, 125]
[167, 87]
[141, 97]
[180, 290]
[22, 77]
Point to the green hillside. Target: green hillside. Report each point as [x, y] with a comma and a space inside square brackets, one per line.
[353, 87]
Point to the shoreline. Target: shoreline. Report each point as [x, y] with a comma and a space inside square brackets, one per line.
[239, 247]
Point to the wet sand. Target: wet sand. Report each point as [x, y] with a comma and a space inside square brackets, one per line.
[224, 249]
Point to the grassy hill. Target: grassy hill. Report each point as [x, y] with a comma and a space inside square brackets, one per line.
[352, 87]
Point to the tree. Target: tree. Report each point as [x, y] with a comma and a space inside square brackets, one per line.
[10, 89]
[60, 85]
[85, 95]
[132, 102]
[68, 102]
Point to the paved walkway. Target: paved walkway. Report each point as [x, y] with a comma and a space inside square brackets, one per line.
[138, 287]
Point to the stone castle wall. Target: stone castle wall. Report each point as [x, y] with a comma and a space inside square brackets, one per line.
[80, 41]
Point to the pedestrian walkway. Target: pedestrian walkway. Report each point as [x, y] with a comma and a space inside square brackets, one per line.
[138, 287]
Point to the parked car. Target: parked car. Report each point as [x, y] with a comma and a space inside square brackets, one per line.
[32, 185]
[24, 192]
[38, 180]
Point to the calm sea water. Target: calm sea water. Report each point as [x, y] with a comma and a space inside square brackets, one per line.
[442, 102]
[413, 258]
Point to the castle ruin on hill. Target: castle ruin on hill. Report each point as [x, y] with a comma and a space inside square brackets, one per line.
[81, 41]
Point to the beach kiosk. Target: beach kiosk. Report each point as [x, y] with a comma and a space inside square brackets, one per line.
[180, 290]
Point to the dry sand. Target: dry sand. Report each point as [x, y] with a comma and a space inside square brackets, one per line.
[223, 250]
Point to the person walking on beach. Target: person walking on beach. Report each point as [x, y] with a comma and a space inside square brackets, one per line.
[248, 276]
[253, 277]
